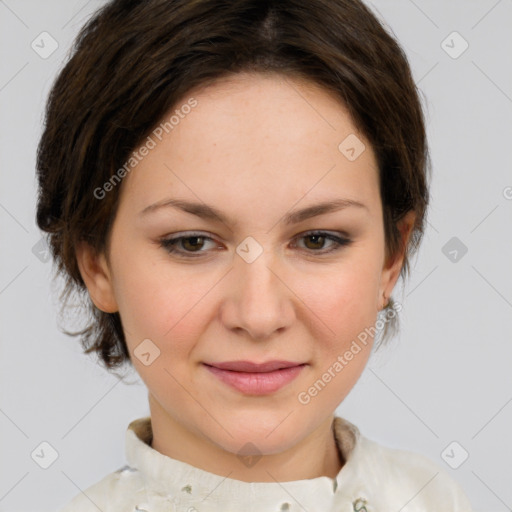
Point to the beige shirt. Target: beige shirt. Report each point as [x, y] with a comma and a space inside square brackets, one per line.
[373, 479]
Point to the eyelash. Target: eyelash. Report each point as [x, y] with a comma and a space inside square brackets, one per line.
[169, 244]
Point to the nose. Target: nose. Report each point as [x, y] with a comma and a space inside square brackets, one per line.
[258, 301]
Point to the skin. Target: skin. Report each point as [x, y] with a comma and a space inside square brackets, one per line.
[256, 147]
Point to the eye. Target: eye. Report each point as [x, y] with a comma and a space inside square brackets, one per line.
[317, 240]
[186, 245]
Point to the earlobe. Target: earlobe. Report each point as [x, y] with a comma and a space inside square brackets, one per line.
[97, 277]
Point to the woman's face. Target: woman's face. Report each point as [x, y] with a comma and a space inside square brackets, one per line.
[253, 282]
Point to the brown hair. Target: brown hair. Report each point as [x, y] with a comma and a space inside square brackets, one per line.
[133, 61]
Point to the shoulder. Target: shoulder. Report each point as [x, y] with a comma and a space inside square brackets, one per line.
[410, 481]
[116, 491]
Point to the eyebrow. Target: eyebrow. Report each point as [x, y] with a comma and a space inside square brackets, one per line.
[206, 211]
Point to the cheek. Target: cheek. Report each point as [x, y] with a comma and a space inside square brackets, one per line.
[345, 310]
[159, 301]
[343, 298]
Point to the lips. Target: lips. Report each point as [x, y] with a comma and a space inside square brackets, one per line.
[255, 378]
[250, 367]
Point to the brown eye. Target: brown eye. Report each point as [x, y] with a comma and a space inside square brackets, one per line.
[187, 246]
[315, 242]
[192, 243]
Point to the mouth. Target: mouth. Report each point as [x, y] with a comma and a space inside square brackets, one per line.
[250, 367]
[252, 378]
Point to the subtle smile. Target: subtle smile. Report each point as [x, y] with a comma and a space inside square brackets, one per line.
[256, 379]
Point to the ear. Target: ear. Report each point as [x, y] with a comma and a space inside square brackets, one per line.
[97, 277]
[391, 270]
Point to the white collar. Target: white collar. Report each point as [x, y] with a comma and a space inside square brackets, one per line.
[188, 485]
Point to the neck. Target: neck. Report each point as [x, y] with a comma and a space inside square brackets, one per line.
[314, 456]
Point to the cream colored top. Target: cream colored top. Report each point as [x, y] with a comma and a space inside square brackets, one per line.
[373, 479]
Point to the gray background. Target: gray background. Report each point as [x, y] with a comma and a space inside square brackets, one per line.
[447, 376]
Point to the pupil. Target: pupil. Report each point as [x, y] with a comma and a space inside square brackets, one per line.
[195, 244]
[316, 238]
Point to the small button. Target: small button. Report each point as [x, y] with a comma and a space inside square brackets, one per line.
[285, 506]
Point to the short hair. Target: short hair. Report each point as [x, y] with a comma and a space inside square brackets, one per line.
[133, 61]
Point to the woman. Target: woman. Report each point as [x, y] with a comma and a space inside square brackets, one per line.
[237, 186]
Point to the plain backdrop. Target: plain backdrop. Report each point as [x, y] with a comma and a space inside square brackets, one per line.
[442, 387]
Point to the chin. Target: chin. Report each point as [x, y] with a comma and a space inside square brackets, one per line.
[265, 435]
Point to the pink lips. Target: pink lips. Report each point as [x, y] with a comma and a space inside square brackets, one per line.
[256, 378]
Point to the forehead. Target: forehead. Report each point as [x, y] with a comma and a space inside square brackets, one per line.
[263, 104]
[262, 137]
